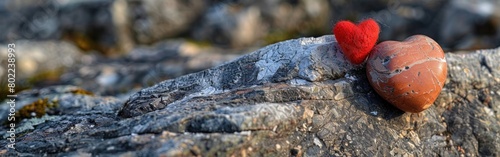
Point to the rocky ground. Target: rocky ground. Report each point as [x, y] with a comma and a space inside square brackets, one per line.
[295, 98]
[78, 37]
[91, 77]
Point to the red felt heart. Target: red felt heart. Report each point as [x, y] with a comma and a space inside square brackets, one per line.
[356, 41]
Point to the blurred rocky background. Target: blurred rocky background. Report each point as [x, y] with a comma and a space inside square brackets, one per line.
[112, 47]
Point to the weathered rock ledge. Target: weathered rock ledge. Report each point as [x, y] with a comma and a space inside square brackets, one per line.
[294, 98]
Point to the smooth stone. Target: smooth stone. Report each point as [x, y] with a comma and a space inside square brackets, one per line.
[408, 74]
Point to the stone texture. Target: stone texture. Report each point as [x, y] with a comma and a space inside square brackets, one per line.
[294, 98]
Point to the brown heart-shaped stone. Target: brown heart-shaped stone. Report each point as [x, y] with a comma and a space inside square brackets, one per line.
[408, 74]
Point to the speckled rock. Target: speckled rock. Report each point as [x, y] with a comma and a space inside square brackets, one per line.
[294, 98]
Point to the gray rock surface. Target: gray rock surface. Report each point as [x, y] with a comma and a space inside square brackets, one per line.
[295, 98]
